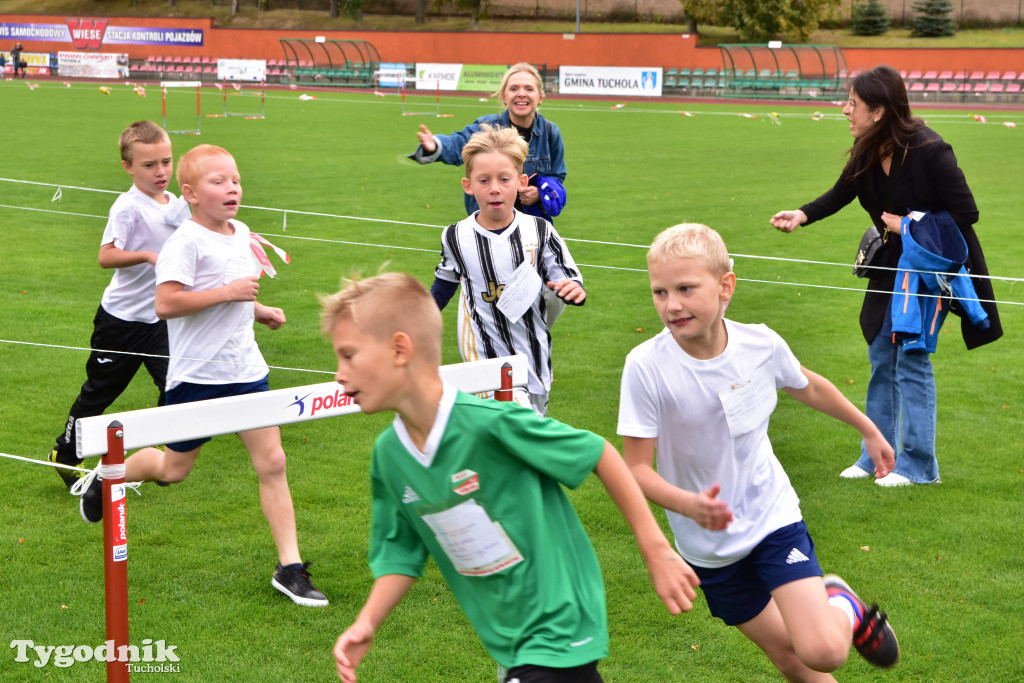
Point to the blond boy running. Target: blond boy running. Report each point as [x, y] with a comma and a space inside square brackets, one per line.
[477, 485]
[700, 394]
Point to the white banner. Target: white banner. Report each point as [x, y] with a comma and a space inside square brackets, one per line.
[633, 81]
[92, 65]
[432, 76]
[242, 70]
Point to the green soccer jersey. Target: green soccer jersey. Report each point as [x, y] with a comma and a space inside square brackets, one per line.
[485, 500]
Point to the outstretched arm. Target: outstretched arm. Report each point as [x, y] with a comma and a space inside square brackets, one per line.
[823, 396]
[703, 508]
[674, 581]
[352, 645]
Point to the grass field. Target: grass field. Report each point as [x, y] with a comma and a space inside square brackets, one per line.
[945, 561]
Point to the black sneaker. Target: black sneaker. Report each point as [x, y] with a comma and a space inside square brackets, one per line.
[69, 477]
[294, 582]
[90, 488]
[873, 637]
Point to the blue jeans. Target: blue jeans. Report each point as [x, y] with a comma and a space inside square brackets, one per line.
[902, 403]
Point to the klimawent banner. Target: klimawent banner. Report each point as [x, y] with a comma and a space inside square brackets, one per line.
[632, 81]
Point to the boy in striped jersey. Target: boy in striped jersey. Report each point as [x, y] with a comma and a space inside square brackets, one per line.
[503, 259]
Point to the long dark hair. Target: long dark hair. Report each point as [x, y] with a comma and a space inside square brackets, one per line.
[882, 86]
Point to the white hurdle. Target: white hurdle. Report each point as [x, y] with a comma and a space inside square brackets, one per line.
[213, 417]
[111, 435]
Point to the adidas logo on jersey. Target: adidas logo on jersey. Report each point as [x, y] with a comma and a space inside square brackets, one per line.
[410, 497]
[796, 556]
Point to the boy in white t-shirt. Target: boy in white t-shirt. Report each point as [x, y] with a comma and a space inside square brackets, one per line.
[700, 394]
[206, 290]
[503, 259]
[140, 222]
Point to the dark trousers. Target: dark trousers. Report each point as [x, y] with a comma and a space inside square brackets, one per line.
[109, 374]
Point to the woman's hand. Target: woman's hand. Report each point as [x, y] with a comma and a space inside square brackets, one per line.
[892, 222]
[788, 221]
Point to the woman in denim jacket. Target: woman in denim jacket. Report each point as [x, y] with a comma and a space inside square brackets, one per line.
[521, 91]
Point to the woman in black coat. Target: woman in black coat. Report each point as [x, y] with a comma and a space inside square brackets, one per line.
[898, 165]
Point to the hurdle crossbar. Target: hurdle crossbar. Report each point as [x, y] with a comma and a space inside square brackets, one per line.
[213, 417]
[164, 85]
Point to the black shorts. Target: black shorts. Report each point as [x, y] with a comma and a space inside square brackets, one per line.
[531, 673]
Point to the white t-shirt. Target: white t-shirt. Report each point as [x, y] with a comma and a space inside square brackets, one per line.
[687, 404]
[202, 259]
[136, 223]
[483, 262]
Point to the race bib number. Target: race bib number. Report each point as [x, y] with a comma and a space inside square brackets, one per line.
[475, 544]
[749, 402]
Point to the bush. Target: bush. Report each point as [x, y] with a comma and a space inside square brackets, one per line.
[934, 19]
[870, 19]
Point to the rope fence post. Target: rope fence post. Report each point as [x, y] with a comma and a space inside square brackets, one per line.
[115, 553]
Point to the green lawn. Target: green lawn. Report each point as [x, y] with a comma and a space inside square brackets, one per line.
[945, 561]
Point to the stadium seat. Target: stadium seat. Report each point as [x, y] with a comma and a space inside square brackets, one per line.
[949, 87]
[934, 86]
[996, 88]
[671, 73]
[964, 87]
[977, 76]
[913, 76]
[670, 82]
[1012, 88]
[917, 86]
[1009, 76]
[930, 75]
[993, 76]
[960, 75]
[980, 87]
[946, 76]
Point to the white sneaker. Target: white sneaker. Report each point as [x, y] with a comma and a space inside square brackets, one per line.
[893, 479]
[854, 472]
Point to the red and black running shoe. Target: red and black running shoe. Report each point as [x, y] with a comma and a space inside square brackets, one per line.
[872, 636]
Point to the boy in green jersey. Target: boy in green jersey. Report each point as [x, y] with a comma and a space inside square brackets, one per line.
[477, 485]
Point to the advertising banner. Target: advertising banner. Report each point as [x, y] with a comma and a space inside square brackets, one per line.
[638, 81]
[254, 70]
[92, 65]
[92, 34]
[481, 77]
[36, 63]
[391, 74]
[466, 77]
[432, 76]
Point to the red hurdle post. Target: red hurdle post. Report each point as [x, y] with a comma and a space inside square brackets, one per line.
[505, 392]
[115, 552]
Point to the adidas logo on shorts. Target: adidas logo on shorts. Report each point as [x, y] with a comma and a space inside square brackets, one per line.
[411, 497]
[796, 556]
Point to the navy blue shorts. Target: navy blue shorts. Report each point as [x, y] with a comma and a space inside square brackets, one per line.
[740, 591]
[187, 392]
